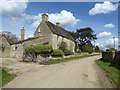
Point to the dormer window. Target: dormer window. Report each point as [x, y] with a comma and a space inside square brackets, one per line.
[39, 30]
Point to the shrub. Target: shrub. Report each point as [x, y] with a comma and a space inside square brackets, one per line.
[57, 53]
[87, 48]
[79, 51]
[112, 49]
[39, 49]
[29, 49]
[67, 52]
[62, 46]
[45, 49]
[97, 49]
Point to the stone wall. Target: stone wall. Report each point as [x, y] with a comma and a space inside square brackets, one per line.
[17, 50]
[113, 57]
[4, 47]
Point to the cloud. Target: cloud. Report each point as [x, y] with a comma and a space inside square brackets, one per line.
[30, 36]
[13, 8]
[66, 18]
[16, 11]
[109, 25]
[103, 8]
[110, 42]
[99, 45]
[104, 34]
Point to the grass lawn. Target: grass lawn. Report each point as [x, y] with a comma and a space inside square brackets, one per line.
[5, 77]
[54, 61]
[113, 71]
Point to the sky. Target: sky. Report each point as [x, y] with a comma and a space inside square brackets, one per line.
[102, 17]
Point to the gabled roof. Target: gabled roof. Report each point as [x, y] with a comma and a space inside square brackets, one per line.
[3, 35]
[59, 30]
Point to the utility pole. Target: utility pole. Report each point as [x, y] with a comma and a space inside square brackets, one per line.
[114, 41]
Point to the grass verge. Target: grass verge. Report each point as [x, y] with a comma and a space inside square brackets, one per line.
[55, 61]
[112, 70]
[5, 77]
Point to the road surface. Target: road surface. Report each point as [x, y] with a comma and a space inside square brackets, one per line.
[82, 73]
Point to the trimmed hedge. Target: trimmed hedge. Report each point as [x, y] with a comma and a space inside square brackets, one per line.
[67, 52]
[79, 51]
[39, 49]
[57, 53]
[29, 49]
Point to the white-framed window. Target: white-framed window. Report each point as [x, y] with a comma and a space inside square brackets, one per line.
[15, 47]
[39, 30]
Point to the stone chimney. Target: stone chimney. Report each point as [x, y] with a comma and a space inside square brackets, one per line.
[22, 33]
[44, 17]
[58, 24]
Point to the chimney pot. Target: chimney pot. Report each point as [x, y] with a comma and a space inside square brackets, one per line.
[58, 24]
[44, 17]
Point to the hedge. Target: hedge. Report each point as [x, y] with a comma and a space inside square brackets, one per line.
[39, 49]
[57, 53]
[67, 52]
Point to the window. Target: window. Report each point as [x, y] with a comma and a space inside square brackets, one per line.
[16, 47]
[39, 30]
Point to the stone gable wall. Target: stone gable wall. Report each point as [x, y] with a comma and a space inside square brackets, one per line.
[6, 44]
[44, 32]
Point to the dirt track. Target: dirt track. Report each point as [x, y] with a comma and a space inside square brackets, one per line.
[82, 73]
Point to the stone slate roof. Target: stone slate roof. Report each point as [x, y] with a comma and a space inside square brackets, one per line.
[59, 31]
[21, 41]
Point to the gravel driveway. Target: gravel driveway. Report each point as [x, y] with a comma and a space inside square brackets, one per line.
[82, 73]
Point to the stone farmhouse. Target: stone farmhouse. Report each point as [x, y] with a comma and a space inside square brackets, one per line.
[46, 33]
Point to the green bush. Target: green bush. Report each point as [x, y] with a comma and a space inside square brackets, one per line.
[45, 49]
[112, 49]
[87, 48]
[67, 52]
[29, 49]
[97, 49]
[57, 53]
[39, 49]
[62, 46]
[79, 51]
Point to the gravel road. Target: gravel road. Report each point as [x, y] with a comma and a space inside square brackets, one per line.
[82, 73]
